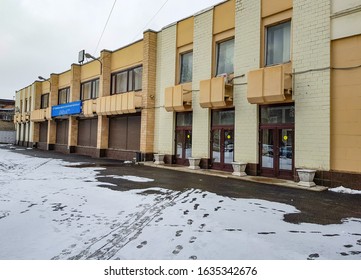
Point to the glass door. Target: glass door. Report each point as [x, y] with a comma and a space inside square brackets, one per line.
[222, 148]
[222, 139]
[183, 138]
[183, 146]
[277, 141]
[276, 156]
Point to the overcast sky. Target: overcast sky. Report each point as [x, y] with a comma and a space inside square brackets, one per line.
[39, 37]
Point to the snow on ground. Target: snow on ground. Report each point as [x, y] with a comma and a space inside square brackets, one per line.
[342, 189]
[49, 210]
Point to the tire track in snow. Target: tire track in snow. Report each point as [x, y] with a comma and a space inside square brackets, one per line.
[105, 248]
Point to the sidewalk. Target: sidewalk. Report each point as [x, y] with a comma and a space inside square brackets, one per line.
[223, 174]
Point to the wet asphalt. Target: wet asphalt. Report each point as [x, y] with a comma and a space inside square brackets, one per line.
[315, 207]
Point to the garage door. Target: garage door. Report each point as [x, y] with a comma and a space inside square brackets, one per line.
[87, 132]
[124, 132]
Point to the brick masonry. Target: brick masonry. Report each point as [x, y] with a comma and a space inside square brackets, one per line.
[202, 69]
[164, 130]
[149, 91]
[311, 50]
[246, 58]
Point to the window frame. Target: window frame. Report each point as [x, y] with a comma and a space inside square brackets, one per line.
[67, 94]
[266, 27]
[181, 66]
[218, 43]
[45, 95]
[94, 94]
[130, 84]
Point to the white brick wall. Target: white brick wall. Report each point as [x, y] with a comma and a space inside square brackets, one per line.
[166, 59]
[202, 69]
[311, 50]
[246, 58]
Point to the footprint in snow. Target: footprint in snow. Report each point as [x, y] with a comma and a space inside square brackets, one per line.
[177, 249]
[192, 239]
[142, 244]
[313, 256]
[178, 233]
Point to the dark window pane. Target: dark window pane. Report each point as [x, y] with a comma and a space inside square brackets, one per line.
[186, 67]
[278, 43]
[121, 83]
[85, 91]
[278, 114]
[95, 89]
[130, 81]
[223, 117]
[184, 119]
[225, 53]
[138, 73]
[44, 101]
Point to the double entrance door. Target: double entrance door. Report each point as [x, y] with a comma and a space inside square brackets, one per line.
[183, 137]
[222, 148]
[222, 139]
[277, 142]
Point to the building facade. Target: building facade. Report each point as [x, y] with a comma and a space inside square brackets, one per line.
[7, 127]
[271, 83]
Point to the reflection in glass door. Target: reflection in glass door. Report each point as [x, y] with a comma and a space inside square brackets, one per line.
[285, 144]
[267, 148]
[216, 146]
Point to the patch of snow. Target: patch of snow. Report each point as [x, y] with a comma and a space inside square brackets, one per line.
[51, 211]
[128, 161]
[131, 178]
[342, 189]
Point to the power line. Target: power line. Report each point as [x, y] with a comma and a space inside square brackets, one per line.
[105, 26]
[150, 20]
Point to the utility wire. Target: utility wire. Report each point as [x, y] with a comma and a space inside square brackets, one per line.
[150, 20]
[105, 26]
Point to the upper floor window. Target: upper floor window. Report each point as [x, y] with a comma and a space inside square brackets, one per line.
[44, 102]
[64, 96]
[186, 67]
[278, 43]
[89, 90]
[225, 54]
[128, 80]
[26, 105]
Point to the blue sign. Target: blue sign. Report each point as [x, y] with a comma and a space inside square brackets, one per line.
[66, 109]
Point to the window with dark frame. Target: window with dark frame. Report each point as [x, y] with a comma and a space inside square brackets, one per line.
[127, 80]
[26, 105]
[89, 90]
[186, 67]
[224, 57]
[44, 102]
[64, 95]
[278, 43]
